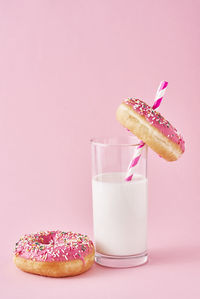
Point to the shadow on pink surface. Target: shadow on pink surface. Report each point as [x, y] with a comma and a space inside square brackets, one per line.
[174, 255]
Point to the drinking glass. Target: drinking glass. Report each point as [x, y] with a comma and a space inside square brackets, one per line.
[119, 206]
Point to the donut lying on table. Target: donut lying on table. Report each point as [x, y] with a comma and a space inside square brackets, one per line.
[54, 253]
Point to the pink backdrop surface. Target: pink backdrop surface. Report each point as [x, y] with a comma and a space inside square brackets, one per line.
[64, 68]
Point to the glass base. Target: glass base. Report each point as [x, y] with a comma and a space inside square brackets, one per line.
[124, 261]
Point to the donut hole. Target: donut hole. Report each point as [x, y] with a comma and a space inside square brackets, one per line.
[46, 239]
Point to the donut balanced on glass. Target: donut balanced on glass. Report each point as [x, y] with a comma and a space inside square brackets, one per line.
[54, 253]
[152, 128]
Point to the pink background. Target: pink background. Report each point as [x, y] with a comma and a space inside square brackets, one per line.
[64, 68]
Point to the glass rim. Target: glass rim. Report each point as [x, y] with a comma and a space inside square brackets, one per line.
[106, 141]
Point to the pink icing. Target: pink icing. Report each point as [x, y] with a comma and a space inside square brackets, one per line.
[156, 120]
[53, 246]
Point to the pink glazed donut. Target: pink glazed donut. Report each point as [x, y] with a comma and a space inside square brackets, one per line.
[152, 128]
[54, 253]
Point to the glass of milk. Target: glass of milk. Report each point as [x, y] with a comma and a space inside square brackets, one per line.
[119, 207]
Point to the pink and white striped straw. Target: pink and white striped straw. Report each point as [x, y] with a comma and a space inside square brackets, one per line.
[157, 101]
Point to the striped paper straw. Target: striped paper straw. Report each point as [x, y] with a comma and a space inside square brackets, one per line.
[157, 101]
[160, 94]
